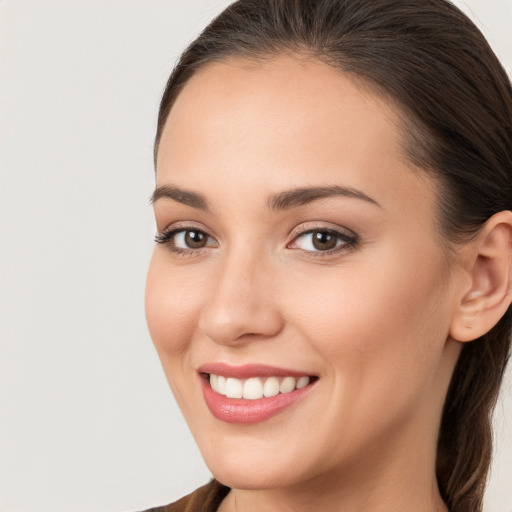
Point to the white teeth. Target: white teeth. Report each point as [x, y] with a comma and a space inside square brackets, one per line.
[218, 383]
[221, 385]
[302, 382]
[233, 388]
[256, 387]
[287, 385]
[271, 387]
[253, 389]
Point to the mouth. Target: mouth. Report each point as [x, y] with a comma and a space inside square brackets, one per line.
[255, 388]
[251, 394]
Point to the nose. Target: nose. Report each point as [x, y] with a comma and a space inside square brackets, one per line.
[242, 305]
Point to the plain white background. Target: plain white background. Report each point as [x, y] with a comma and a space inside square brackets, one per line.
[87, 421]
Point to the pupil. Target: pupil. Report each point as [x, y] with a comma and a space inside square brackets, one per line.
[323, 240]
[195, 239]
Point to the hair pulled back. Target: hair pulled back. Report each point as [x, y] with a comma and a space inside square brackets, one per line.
[455, 102]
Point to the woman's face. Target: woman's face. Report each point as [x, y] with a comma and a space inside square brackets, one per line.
[297, 242]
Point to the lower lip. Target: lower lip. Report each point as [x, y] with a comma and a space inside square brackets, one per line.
[241, 411]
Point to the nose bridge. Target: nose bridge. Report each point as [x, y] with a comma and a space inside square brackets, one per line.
[241, 301]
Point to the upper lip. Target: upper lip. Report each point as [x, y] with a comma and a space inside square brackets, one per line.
[249, 370]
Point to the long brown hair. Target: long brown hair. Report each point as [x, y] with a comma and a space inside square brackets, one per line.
[455, 101]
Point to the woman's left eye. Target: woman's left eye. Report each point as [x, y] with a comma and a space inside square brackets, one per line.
[323, 241]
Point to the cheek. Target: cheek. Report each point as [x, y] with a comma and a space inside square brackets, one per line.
[380, 322]
[173, 303]
[380, 334]
[171, 307]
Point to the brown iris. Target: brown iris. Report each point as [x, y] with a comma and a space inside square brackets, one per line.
[324, 240]
[195, 239]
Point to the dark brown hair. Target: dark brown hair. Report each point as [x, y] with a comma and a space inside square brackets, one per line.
[455, 101]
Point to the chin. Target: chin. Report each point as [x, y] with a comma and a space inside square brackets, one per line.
[254, 477]
[260, 466]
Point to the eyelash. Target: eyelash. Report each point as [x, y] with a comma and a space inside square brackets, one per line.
[349, 241]
[166, 238]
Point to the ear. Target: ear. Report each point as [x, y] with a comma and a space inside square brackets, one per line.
[489, 294]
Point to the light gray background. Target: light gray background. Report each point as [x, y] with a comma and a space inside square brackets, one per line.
[87, 421]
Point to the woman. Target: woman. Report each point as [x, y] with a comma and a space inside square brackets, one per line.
[329, 293]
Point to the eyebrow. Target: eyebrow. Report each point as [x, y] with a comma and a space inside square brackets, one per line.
[181, 196]
[276, 202]
[302, 196]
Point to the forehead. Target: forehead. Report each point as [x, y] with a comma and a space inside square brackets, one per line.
[274, 97]
[281, 121]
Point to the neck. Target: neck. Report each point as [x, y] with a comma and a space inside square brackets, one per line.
[366, 490]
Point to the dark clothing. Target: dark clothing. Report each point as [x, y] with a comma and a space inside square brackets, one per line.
[205, 499]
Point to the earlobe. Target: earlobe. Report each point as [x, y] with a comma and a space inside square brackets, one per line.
[490, 292]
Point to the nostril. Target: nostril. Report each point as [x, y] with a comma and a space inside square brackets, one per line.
[240, 324]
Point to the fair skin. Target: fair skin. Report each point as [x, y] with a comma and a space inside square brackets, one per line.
[371, 319]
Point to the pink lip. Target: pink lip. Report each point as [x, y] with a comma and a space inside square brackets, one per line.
[247, 371]
[240, 411]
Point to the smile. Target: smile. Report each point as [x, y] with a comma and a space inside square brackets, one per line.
[252, 394]
[256, 387]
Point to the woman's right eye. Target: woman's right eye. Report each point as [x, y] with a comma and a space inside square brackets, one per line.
[183, 239]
